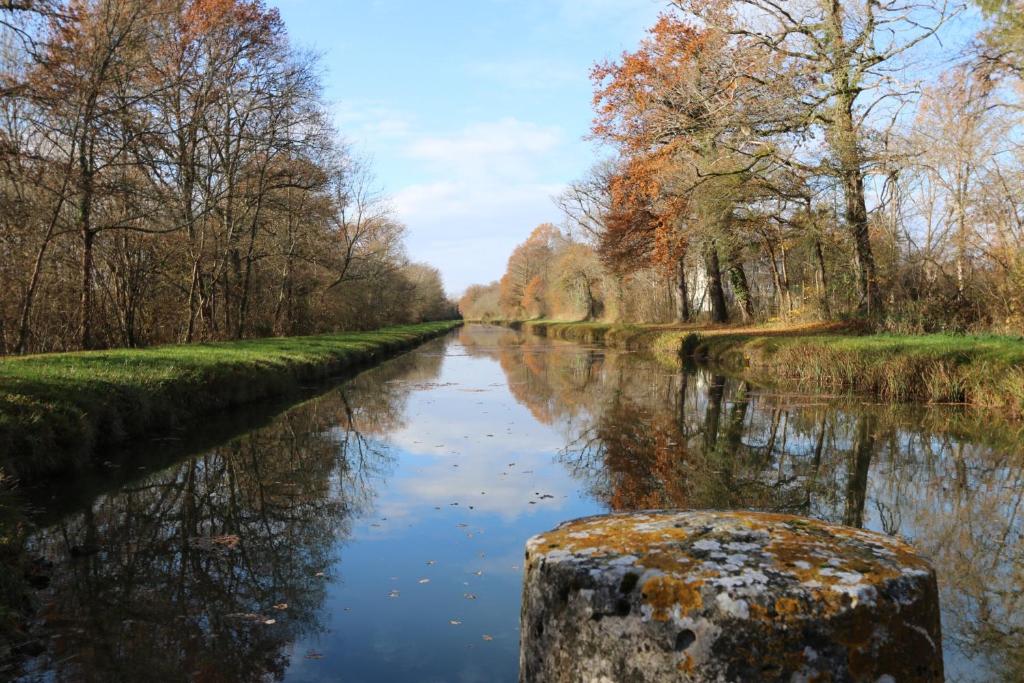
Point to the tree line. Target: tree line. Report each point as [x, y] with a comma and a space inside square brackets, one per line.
[798, 160]
[169, 172]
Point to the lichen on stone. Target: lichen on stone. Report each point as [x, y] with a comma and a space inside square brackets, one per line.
[745, 587]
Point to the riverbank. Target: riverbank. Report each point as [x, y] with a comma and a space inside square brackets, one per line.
[56, 410]
[981, 371]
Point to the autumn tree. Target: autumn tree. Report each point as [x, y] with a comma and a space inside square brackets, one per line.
[527, 273]
[168, 172]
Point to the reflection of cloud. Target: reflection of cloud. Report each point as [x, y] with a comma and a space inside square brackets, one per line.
[476, 427]
[480, 482]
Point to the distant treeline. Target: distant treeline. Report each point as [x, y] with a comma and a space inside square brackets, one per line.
[168, 172]
[797, 160]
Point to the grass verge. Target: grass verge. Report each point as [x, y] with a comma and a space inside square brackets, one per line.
[57, 410]
[982, 371]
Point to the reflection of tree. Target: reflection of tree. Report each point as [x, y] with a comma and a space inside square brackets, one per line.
[211, 568]
[642, 436]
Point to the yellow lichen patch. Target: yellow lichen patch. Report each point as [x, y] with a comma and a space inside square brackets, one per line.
[758, 566]
[788, 607]
[686, 664]
[664, 594]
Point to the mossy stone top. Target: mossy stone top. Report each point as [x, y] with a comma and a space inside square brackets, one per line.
[723, 596]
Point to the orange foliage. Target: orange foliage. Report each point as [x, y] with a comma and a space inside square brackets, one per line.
[251, 20]
[643, 224]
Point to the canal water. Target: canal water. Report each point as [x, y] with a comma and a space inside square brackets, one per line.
[375, 532]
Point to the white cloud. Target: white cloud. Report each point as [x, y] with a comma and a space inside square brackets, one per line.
[529, 74]
[372, 121]
[485, 200]
[488, 188]
[503, 148]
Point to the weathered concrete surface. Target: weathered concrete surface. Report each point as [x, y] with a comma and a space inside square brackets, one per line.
[730, 596]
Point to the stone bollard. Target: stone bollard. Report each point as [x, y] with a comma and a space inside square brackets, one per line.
[725, 596]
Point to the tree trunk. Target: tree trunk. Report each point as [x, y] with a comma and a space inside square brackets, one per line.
[845, 143]
[85, 337]
[740, 287]
[716, 292]
[683, 313]
[823, 293]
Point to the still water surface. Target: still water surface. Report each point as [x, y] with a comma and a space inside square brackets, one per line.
[375, 532]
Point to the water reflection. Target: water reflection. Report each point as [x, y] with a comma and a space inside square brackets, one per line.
[210, 570]
[642, 437]
[375, 532]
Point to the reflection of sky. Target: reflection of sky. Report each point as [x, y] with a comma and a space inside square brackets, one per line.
[463, 491]
[465, 440]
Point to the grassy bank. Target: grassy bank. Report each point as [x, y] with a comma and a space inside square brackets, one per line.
[985, 372]
[56, 410]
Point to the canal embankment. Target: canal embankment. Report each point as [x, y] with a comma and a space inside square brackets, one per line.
[984, 372]
[57, 410]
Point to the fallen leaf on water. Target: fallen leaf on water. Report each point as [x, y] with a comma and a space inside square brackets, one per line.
[247, 616]
[281, 606]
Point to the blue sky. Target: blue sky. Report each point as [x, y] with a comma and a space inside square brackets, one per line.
[473, 113]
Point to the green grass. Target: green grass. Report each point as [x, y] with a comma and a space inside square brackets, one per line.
[56, 410]
[982, 371]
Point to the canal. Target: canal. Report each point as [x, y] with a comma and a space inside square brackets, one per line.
[375, 531]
